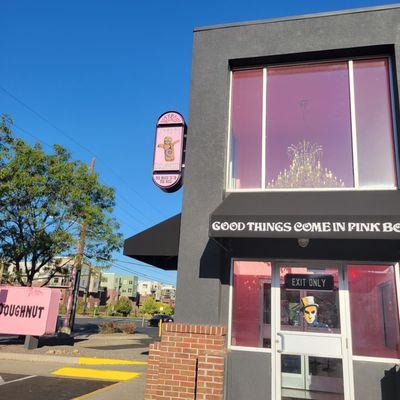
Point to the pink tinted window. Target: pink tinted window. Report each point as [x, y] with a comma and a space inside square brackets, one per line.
[376, 162]
[246, 129]
[374, 311]
[308, 138]
[251, 305]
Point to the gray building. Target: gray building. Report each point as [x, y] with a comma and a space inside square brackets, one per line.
[294, 246]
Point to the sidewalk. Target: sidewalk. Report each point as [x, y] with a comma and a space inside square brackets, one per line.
[115, 346]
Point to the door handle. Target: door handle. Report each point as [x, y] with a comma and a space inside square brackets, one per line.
[280, 342]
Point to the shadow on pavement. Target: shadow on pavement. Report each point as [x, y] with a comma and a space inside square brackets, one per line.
[140, 343]
[51, 341]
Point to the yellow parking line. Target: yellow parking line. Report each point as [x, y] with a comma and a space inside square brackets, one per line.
[108, 375]
[101, 390]
[108, 361]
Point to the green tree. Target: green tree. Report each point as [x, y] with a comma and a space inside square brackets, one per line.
[124, 306]
[164, 308]
[44, 200]
[149, 306]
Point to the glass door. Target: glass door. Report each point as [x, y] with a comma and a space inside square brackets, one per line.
[310, 353]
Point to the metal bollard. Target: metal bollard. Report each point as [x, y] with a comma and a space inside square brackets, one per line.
[160, 328]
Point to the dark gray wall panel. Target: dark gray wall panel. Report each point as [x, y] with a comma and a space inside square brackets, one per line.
[248, 376]
[367, 379]
[200, 260]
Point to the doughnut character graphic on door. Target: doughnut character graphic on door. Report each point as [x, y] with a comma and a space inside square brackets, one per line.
[310, 309]
[168, 146]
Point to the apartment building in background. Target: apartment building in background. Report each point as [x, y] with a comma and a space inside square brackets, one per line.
[129, 285]
[150, 288]
[116, 285]
[168, 294]
[89, 284]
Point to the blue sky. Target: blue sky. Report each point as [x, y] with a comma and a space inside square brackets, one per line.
[102, 71]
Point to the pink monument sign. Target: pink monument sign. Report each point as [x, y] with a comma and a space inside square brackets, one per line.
[28, 311]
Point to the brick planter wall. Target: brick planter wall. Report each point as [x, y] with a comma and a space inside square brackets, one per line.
[188, 363]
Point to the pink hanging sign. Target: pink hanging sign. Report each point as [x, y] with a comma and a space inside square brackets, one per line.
[169, 151]
[28, 310]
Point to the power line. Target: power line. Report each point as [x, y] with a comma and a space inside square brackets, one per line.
[131, 215]
[137, 264]
[23, 104]
[52, 147]
[121, 223]
[72, 139]
[32, 135]
[150, 274]
[148, 277]
[144, 274]
[134, 207]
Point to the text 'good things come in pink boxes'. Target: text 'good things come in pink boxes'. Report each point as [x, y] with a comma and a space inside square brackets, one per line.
[28, 311]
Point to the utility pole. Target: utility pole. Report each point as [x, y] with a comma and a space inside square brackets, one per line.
[69, 319]
[87, 288]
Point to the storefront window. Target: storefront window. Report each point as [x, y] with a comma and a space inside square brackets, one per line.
[251, 304]
[374, 123]
[374, 311]
[246, 128]
[308, 141]
[318, 131]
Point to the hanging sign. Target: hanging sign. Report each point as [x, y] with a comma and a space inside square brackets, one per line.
[169, 148]
[309, 282]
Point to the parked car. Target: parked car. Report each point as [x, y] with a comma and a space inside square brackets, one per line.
[155, 320]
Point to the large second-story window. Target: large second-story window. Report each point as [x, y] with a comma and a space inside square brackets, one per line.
[316, 126]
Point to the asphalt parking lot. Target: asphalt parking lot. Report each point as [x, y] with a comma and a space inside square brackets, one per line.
[33, 387]
[99, 375]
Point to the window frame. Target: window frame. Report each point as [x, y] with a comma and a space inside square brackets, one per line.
[228, 167]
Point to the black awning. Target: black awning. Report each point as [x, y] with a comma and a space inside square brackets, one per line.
[329, 214]
[157, 245]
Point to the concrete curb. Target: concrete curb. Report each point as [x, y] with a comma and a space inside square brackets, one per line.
[68, 359]
[39, 358]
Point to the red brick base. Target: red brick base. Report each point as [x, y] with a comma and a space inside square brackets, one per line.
[188, 363]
